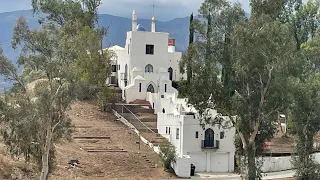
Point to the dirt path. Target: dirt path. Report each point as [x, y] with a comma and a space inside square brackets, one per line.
[133, 164]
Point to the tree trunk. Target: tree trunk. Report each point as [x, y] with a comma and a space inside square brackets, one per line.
[45, 155]
[252, 170]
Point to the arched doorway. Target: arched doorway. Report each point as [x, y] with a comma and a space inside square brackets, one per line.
[150, 88]
[209, 138]
[170, 70]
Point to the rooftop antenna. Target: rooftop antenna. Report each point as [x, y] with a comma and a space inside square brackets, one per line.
[153, 6]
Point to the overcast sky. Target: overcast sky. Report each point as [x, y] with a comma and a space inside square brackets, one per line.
[164, 9]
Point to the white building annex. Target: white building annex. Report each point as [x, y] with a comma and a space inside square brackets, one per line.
[144, 70]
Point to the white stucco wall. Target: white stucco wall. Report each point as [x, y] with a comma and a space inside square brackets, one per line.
[216, 160]
[205, 160]
[132, 92]
[275, 164]
[182, 167]
[138, 56]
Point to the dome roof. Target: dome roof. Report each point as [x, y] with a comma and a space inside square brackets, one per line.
[140, 28]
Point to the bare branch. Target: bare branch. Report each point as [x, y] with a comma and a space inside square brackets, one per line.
[260, 108]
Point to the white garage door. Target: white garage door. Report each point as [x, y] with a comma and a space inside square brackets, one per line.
[199, 160]
[219, 162]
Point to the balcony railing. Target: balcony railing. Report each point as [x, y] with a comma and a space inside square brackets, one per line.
[210, 144]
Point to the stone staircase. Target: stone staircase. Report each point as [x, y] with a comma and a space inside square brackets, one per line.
[141, 115]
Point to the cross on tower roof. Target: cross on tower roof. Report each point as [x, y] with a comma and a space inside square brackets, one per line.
[153, 6]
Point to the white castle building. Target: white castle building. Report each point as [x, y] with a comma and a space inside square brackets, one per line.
[147, 63]
[144, 70]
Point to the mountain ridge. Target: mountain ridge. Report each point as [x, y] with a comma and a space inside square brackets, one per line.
[177, 28]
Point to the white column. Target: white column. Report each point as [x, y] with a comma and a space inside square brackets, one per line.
[153, 25]
[134, 21]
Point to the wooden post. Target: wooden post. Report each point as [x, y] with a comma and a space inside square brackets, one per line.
[122, 110]
[139, 141]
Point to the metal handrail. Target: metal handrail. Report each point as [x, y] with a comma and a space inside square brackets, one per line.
[139, 120]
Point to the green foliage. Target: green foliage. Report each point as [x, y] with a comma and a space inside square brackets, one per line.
[272, 8]
[93, 64]
[107, 99]
[256, 76]
[182, 87]
[303, 19]
[83, 91]
[167, 155]
[306, 120]
[64, 55]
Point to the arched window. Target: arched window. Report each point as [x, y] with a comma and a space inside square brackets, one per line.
[149, 68]
[209, 138]
[150, 88]
[170, 73]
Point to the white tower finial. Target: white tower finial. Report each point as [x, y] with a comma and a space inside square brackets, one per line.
[134, 20]
[153, 25]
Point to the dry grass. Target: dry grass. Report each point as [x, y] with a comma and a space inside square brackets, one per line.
[104, 165]
[12, 168]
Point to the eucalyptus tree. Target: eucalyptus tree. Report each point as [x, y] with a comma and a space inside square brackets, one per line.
[254, 54]
[305, 111]
[65, 50]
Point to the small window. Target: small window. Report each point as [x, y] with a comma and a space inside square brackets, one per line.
[169, 130]
[166, 130]
[149, 49]
[148, 68]
[197, 134]
[165, 88]
[163, 110]
[114, 68]
[139, 87]
[221, 134]
[177, 135]
[162, 96]
[118, 67]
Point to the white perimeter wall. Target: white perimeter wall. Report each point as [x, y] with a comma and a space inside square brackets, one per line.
[182, 167]
[274, 164]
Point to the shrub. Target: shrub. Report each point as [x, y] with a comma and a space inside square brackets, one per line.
[107, 99]
[167, 154]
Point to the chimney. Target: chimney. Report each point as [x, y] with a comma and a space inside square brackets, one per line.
[153, 25]
[171, 45]
[134, 21]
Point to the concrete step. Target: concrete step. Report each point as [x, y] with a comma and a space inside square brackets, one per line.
[151, 124]
[154, 130]
[140, 101]
[148, 120]
[141, 110]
